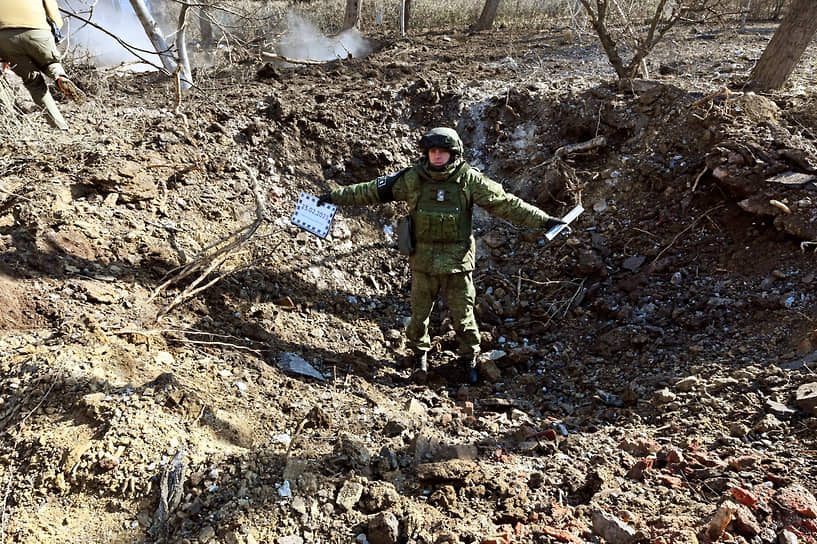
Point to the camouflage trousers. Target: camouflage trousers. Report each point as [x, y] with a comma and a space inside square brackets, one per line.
[32, 53]
[458, 293]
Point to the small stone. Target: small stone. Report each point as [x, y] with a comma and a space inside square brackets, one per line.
[455, 469]
[806, 397]
[687, 384]
[723, 515]
[488, 371]
[787, 537]
[416, 408]
[637, 471]
[612, 529]
[290, 539]
[349, 495]
[536, 480]
[745, 522]
[299, 505]
[738, 429]
[164, 358]
[383, 529]
[767, 423]
[663, 396]
[207, 534]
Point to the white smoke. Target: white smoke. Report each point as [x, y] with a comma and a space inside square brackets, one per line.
[304, 41]
[102, 50]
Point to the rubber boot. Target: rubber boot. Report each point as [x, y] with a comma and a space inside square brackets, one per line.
[53, 114]
[421, 367]
[470, 367]
[42, 97]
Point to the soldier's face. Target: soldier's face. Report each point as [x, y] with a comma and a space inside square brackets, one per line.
[438, 156]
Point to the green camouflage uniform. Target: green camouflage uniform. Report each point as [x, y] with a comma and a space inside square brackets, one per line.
[441, 205]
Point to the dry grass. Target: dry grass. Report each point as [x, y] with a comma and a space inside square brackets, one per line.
[13, 124]
[459, 14]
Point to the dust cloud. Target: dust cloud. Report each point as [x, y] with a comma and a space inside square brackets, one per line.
[304, 41]
[102, 50]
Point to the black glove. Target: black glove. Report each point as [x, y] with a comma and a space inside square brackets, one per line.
[325, 199]
[553, 222]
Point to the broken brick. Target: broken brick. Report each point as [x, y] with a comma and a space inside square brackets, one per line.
[671, 481]
[674, 457]
[798, 499]
[561, 535]
[743, 496]
[638, 470]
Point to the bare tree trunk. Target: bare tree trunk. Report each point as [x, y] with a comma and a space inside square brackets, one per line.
[745, 14]
[352, 17]
[597, 21]
[486, 18]
[181, 45]
[786, 46]
[206, 25]
[152, 30]
[405, 15]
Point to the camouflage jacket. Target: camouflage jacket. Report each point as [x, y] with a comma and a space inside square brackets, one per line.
[444, 243]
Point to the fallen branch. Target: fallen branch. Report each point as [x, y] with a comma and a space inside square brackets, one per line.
[581, 147]
[723, 91]
[698, 178]
[804, 245]
[208, 260]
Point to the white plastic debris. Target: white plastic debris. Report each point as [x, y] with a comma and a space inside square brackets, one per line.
[283, 489]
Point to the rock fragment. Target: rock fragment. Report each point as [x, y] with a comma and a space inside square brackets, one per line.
[383, 529]
[612, 529]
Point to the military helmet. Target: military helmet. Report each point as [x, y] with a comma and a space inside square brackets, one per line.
[445, 138]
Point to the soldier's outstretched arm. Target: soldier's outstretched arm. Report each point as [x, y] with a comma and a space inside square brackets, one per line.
[491, 196]
[376, 191]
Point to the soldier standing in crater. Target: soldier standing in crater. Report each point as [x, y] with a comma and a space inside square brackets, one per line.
[441, 190]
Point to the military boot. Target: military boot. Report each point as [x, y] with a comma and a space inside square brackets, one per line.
[421, 366]
[469, 363]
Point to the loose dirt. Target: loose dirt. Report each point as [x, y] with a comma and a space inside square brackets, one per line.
[648, 376]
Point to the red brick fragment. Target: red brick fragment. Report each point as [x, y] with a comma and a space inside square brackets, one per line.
[561, 535]
[798, 499]
[671, 481]
[674, 457]
[743, 496]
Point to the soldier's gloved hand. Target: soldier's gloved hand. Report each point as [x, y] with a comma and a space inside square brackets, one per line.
[324, 199]
[553, 222]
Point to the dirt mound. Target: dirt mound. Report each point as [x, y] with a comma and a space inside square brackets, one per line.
[19, 310]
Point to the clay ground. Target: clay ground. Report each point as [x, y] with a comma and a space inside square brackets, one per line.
[648, 376]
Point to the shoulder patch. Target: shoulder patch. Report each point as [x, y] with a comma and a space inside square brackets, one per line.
[385, 185]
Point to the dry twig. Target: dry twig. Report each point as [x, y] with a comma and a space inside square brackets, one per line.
[213, 256]
[691, 225]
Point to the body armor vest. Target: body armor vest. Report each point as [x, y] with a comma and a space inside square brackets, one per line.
[443, 210]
